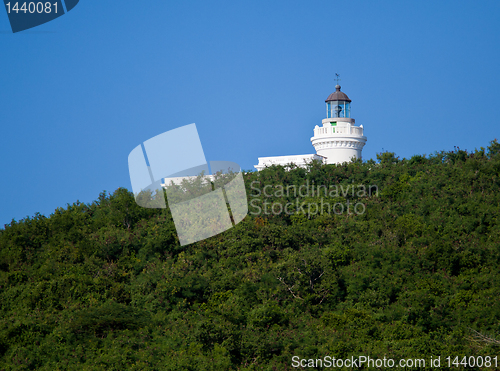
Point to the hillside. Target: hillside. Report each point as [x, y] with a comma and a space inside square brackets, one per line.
[410, 270]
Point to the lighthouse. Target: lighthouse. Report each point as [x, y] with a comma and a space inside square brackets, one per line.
[338, 139]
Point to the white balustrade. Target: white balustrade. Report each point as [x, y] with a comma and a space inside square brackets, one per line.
[335, 130]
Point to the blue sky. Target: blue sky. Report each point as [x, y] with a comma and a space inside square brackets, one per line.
[79, 93]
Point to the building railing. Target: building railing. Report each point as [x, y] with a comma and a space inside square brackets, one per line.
[288, 159]
[336, 130]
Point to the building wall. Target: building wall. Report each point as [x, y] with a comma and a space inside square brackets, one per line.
[339, 155]
[299, 160]
[339, 142]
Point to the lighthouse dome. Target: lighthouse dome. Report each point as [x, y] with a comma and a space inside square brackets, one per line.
[337, 95]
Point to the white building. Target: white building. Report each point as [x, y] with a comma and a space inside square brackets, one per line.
[338, 140]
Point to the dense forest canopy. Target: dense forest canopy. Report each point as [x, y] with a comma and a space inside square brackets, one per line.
[402, 263]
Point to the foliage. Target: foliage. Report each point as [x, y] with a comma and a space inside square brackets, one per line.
[107, 285]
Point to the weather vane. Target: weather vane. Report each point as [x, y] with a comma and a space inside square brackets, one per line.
[337, 78]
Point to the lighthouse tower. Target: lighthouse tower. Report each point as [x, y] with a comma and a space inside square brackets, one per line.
[338, 139]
